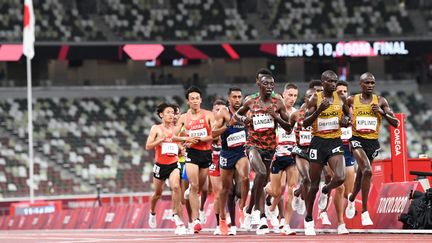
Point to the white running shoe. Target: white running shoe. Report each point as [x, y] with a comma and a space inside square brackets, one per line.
[190, 229]
[295, 203]
[302, 207]
[281, 223]
[256, 214]
[322, 202]
[366, 220]
[247, 223]
[350, 209]
[217, 231]
[202, 217]
[181, 230]
[286, 230]
[309, 227]
[232, 230]
[273, 215]
[262, 227]
[324, 218]
[342, 230]
[176, 219]
[152, 221]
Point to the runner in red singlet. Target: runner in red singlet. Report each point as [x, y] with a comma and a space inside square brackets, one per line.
[197, 123]
[165, 168]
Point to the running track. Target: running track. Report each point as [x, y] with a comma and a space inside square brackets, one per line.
[78, 236]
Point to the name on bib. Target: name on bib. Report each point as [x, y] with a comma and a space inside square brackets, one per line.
[366, 124]
[236, 139]
[262, 123]
[199, 133]
[326, 125]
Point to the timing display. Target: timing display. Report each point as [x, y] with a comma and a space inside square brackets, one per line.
[350, 48]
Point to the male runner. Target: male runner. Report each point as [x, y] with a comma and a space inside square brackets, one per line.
[165, 167]
[197, 123]
[266, 112]
[232, 158]
[300, 153]
[368, 110]
[327, 112]
[284, 162]
[214, 170]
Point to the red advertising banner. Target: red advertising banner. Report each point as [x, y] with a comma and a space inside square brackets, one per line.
[391, 202]
[399, 153]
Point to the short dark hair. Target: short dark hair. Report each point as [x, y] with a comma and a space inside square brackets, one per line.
[326, 75]
[219, 102]
[191, 90]
[233, 89]
[161, 108]
[176, 108]
[263, 71]
[314, 83]
[342, 83]
[290, 86]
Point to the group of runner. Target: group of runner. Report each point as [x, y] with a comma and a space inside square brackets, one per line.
[293, 154]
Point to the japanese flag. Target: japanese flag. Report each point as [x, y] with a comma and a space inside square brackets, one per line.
[29, 29]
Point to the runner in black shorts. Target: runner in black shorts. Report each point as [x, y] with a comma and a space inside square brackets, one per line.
[266, 112]
[327, 112]
[368, 110]
[166, 158]
[300, 153]
[197, 123]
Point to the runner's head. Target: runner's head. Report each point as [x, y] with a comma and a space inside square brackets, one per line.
[261, 72]
[217, 105]
[166, 112]
[316, 84]
[367, 83]
[342, 87]
[235, 97]
[329, 80]
[308, 94]
[193, 97]
[266, 84]
[176, 113]
[290, 94]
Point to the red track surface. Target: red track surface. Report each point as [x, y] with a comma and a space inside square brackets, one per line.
[145, 236]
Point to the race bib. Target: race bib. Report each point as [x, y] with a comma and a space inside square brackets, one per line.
[305, 138]
[366, 124]
[170, 149]
[263, 123]
[283, 150]
[236, 139]
[326, 125]
[156, 170]
[199, 133]
[346, 133]
[285, 138]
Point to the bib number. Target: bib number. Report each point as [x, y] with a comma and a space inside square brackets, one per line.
[170, 149]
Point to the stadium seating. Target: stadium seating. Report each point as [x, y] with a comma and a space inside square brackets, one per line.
[79, 143]
[197, 20]
[175, 20]
[313, 19]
